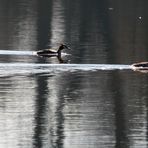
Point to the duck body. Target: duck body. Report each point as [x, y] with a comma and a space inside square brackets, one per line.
[51, 52]
[47, 52]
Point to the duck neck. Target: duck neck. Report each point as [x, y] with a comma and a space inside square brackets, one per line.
[59, 51]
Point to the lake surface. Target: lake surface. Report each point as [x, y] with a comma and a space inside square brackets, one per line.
[92, 99]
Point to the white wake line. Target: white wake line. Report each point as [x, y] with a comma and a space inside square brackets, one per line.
[14, 69]
[22, 53]
[65, 66]
[16, 52]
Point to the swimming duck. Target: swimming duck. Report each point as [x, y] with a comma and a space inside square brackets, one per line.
[50, 52]
[140, 66]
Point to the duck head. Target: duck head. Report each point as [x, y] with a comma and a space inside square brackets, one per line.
[63, 46]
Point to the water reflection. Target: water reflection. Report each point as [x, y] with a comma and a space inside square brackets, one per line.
[21, 28]
[49, 116]
[86, 117]
[16, 111]
[127, 31]
[18, 28]
[73, 105]
[129, 131]
[85, 28]
[41, 133]
[57, 23]
[39, 113]
[119, 111]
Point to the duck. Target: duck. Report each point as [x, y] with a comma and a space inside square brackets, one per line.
[140, 66]
[51, 52]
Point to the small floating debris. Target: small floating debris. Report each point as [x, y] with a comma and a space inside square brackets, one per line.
[110, 8]
[140, 17]
[141, 67]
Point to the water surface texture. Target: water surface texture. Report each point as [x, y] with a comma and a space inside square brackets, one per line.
[88, 99]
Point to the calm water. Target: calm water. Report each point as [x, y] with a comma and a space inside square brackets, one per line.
[93, 101]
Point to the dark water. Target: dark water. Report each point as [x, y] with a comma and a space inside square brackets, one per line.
[94, 101]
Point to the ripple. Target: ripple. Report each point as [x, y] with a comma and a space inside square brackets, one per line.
[24, 68]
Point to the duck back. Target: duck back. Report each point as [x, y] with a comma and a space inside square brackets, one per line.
[46, 52]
